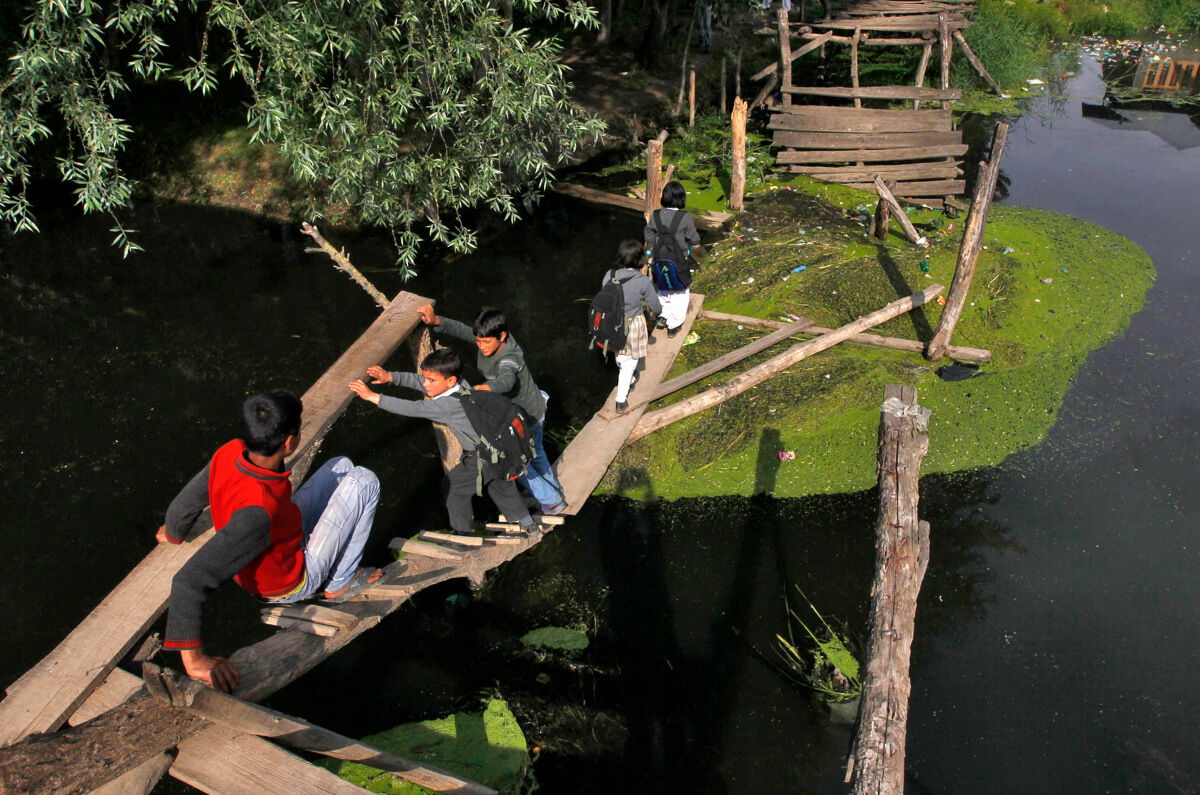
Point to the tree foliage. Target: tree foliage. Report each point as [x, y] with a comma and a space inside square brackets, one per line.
[407, 111]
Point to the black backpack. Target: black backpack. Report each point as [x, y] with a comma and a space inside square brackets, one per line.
[505, 445]
[669, 267]
[606, 317]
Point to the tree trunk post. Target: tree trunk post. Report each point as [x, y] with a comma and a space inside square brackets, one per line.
[854, 40]
[947, 44]
[654, 155]
[876, 765]
[922, 66]
[885, 194]
[785, 57]
[737, 74]
[883, 213]
[692, 98]
[968, 251]
[724, 104]
[606, 21]
[737, 182]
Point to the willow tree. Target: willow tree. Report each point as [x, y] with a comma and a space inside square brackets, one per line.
[407, 111]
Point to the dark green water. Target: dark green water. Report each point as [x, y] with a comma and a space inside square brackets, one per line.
[1058, 632]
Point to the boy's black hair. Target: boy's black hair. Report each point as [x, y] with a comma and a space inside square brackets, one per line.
[268, 419]
[444, 362]
[674, 195]
[490, 323]
[630, 253]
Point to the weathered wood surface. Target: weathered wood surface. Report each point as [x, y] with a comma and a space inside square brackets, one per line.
[974, 61]
[318, 614]
[902, 555]
[794, 54]
[708, 221]
[922, 65]
[968, 251]
[828, 140]
[885, 194]
[583, 464]
[660, 418]
[715, 366]
[139, 781]
[42, 699]
[737, 179]
[821, 118]
[882, 219]
[891, 171]
[654, 178]
[898, 23]
[907, 189]
[785, 53]
[875, 92]
[953, 351]
[789, 156]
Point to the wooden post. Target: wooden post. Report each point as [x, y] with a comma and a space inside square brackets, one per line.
[854, 63]
[922, 65]
[737, 73]
[692, 98]
[882, 218]
[947, 44]
[653, 420]
[654, 155]
[968, 252]
[785, 56]
[737, 182]
[876, 763]
[966, 48]
[885, 194]
[724, 104]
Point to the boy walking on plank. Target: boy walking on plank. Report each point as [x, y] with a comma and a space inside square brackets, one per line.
[502, 362]
[439, 380]
[279, 547]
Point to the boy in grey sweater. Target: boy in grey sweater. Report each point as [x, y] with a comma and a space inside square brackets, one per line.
[439, 380]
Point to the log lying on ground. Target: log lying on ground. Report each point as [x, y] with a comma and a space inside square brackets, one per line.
[652, 421]
[953, 351]
[902, 553]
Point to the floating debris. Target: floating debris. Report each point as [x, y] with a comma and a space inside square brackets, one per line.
[787, 455]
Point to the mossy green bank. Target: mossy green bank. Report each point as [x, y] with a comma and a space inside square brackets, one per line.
[1048, 288]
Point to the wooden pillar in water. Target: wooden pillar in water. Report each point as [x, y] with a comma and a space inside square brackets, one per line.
[876, 765]
[968, 252]
[737, 182]
[785, 57]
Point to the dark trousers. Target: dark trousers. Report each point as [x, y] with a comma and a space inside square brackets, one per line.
[459, 488]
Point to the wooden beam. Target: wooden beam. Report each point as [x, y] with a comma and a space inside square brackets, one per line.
[789, 156]
[654, 420]
[910, 231]
[876, 92]
[902, 555]
[922, 65]
[820, 118]
[833, 140]
[891, 171]
[708, 221]
[899, 24]
[813, 44]
[737, 182]
[943, 28]
[913, 346]
[413, 547]
[41, 700]
[968, 252]
[654, 155]
[765, 92]
[718, 364]
[909, 191]
[974, 61]
[854, 86]
[451, 538]
[785, 54]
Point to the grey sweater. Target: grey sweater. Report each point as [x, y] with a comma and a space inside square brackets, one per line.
[446, 408]
[636, 290]
[686, 235]
[505, 370]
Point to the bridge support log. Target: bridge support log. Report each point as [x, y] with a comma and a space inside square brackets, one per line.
[876, 764]
[968, 251]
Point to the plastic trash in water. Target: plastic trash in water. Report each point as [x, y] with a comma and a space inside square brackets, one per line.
[924, 266]
[941, 301]
[787, 455]
[1007, 250]
[692, 338]
[799, 268]
[749, 280]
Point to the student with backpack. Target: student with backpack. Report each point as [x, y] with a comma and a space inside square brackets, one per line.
[624, 291]
[670, 235]
[502, 362]
[487, 460]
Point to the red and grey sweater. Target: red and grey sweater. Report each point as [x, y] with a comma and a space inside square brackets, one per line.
[259, 540]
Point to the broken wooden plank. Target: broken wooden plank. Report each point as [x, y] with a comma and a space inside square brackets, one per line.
[945, 187]
[914, 346]
[789, 156]
[654, 420]
[42, 699]
[827, 140]
[412, 546]
[466, 541]
[589, 455]
[893, 171]
[821, 118]
[301, 625]
[875, 92]
[639, 398]
[885, 193]
[552, 520]
[316, 613]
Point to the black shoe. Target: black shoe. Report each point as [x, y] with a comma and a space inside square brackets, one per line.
[672, 332]
[660, 323]
[622, 406]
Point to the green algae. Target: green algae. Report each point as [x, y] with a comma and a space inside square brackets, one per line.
[488, 748]
[561, 638]
[1048, 289]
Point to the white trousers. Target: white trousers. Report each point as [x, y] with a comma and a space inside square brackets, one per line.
[674, 306]
[627, 366]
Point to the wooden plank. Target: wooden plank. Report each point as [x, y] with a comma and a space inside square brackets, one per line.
[884, 190]
[423, 548]
[936, 170]
[300, 625]
[876, 92]
[822, 118]
[318, 614]
[954, 351]
[899, 23]
[912, 189]
[660, 418]
[709, 221]
[789, 156]
[42, 699]
[550, 520]
[715, 366]
[828, 140]
[466, 541]
[583, 464]
[804, 50]
[224, 762]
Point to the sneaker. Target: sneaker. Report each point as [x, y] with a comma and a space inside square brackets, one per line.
[673, 331]
[622, 406]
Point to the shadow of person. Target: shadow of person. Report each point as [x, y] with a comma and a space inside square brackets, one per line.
[920, 323]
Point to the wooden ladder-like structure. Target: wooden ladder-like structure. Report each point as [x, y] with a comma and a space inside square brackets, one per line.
[919, 150]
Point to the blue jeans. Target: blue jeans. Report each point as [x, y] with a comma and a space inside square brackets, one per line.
[337, 507]
[539, 477]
